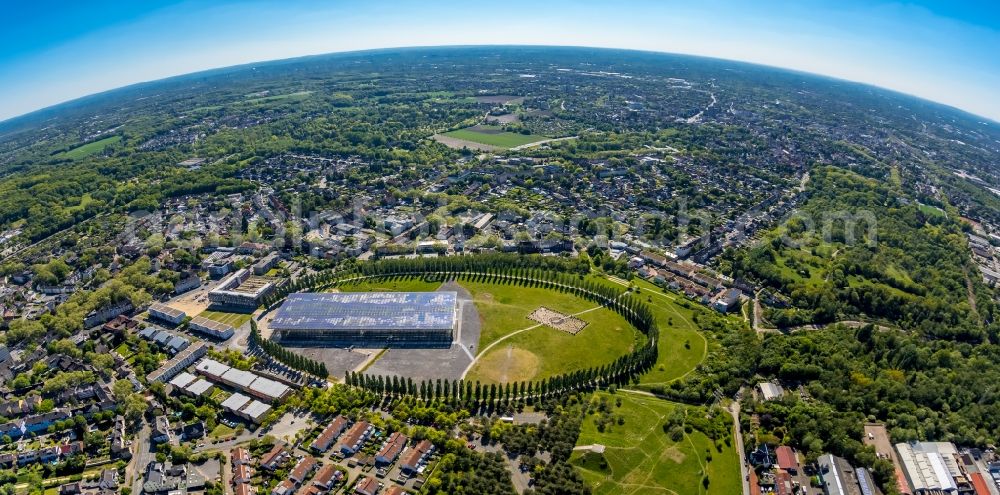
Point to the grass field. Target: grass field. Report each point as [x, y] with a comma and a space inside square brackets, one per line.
[640, 458]
[234, 319]
[543, 351]
[681, 347]
[494, 136]
[91, 148]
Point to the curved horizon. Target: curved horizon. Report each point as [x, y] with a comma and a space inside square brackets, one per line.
[931, 49]
[56, 106]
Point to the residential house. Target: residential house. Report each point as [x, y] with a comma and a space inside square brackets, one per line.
[416, 457]
[355, 437]
[367, 486]
[392, 448]
[302, 469]
[329, 434]
[274, 459]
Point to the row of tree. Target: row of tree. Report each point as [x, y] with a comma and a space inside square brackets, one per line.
[564, 275]
[292, 359]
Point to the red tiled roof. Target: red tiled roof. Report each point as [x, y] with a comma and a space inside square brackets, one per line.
[782, 483]
[354, 434]
[330, 433]
[412, 456]
[393, 446]
[325, 475]
[302, 468]
[367, 485]
[241, 471]
[394, 490]
[272, 455]
[786, 458]
[754, 483]
[240, 455]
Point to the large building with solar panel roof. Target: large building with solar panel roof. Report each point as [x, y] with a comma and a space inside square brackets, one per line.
[368, 319]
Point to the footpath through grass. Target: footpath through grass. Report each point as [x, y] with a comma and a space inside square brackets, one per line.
[540, 351]
[641, 458]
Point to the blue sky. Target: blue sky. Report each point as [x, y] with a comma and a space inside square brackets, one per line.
[946, 51]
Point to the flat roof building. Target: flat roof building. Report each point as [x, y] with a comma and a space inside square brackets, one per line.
[375, 319]
[211, 327]
[925, 469]
[198, 387]
[176, 364]
[166, 313]
[267, 389]
[235, 402]
[242, 290]
[254, 411]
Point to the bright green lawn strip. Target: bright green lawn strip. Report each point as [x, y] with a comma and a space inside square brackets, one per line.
[402, 284]
[91, 148]
[502, 140]
[504, 308]
[234, 319]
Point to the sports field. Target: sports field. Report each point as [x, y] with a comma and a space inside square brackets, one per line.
[494, 136]
[640, 458]
[234, 319]
[91, 148]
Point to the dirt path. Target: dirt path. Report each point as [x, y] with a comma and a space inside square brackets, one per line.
[506, 364]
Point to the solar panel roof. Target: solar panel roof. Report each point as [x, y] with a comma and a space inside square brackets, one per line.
[367, 310]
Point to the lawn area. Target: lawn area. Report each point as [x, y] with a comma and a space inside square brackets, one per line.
[91, 148]
[234, 319]
[682, 346]
[222, 431]
[494, 136]
[543, 351]
[640, 458]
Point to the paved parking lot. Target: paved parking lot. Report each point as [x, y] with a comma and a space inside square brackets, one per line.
[447, 363]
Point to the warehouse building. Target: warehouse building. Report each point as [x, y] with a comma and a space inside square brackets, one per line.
[929, 467]
[247, 382]
[242, 290]
[368, 319]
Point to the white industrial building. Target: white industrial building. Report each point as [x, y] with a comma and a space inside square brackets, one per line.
[247, 382]
[926, 465]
